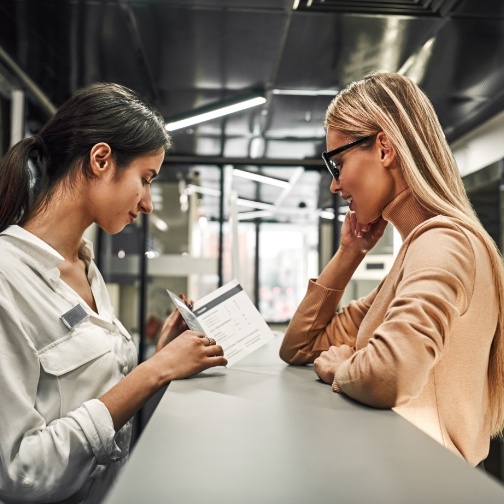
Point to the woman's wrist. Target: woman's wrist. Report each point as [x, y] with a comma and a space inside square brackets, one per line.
[340, 268]
[157, 374]
[350, 254]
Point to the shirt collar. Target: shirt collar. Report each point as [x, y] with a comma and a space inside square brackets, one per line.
[34, 246]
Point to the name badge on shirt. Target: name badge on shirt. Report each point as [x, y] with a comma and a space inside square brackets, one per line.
[74, 316]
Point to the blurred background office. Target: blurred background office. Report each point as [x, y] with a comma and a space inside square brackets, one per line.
[245, 194]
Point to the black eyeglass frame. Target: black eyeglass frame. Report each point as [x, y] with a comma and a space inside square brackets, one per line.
[327, 155]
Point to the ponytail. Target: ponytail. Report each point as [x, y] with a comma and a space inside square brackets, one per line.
[101, 112]
[19, 181]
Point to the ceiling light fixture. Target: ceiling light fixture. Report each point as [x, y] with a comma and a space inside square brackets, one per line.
[208, 191]
[159, 223]
[306, 92]
[254, 215]
[254, 204]
[258, 177]
[414, 67]
[326, 214]
[214, 111]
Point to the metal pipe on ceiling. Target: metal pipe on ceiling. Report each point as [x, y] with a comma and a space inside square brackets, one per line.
[30, 86]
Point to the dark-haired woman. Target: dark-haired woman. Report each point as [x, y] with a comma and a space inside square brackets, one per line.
[70, 383]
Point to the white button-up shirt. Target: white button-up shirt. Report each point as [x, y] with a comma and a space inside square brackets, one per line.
[57, 440]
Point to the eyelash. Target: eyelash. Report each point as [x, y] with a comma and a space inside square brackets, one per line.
[338, 165]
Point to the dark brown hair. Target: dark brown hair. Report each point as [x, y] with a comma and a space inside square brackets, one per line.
[100, 112]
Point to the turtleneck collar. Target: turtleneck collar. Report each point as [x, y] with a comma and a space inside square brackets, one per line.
[405, 213]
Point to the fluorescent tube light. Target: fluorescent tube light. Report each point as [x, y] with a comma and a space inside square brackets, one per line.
[255, 204]
[160, 223]
[258, 177]
[219, 110]
[326, 214]
[305, 92]
[254, 215]
[208, 191]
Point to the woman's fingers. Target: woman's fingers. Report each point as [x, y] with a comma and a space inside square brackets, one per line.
[213, 350]
[188, 302]
[191, 353]
[209, 341]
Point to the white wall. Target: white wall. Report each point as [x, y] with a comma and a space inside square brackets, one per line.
[481, 147]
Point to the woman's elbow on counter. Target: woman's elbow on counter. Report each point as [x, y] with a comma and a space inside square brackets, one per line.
[382, 394]
[286, 355]
[293, 356]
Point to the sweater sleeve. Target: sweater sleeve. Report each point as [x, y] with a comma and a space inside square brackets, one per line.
[42, 461]
[435, 288]
[316, 325]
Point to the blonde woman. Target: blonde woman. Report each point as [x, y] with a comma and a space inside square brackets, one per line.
[428, 341]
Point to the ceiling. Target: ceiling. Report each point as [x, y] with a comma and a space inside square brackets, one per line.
[184, 54]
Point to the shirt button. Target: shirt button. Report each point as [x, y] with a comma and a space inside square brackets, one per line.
[27, 482]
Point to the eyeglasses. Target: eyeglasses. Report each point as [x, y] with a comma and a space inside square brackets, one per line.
[328, 155]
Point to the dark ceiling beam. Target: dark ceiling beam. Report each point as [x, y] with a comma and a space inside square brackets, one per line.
[380, 7]
[476, 118]
[138, 47]
[218, 161]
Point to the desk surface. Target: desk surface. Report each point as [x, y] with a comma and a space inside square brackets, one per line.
[265, 432]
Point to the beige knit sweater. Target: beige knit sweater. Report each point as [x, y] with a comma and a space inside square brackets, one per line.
[421, 338]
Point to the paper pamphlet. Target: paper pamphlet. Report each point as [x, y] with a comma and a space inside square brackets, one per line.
[229, 317]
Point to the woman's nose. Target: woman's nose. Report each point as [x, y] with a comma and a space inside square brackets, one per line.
[146, 202]
[335, 187]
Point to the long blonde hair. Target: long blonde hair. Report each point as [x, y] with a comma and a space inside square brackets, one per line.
[394, 104]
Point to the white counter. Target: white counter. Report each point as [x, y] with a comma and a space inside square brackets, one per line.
[264, 432]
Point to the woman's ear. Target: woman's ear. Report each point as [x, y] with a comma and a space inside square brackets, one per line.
[387, 151]
[100, 159]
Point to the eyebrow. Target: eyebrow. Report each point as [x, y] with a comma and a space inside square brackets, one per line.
[153, 173]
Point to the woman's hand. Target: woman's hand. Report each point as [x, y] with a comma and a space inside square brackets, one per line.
[186, 355]
[361, 237]
[356, 241]
[173, 326]
[329, 361]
